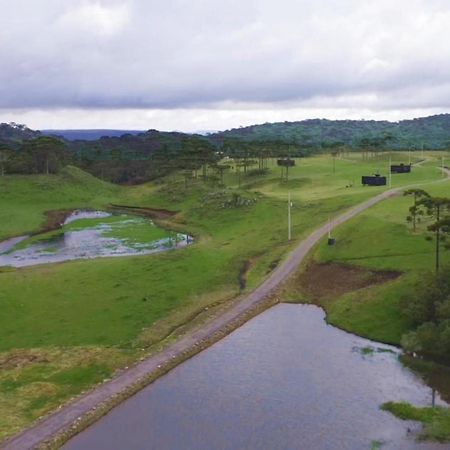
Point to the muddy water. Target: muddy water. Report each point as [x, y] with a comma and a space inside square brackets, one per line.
[89, 242]
[285, 380]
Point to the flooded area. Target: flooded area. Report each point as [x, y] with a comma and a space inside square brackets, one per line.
[284, 380]
[91, 234]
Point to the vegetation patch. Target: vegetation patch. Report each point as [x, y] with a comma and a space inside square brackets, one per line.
[436, 420]
[435, 375]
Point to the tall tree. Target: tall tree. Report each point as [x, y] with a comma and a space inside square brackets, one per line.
[437, 208]
[414, 209]
[48, 154]
[5, 154]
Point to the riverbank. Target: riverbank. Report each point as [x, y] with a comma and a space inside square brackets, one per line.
[376, 263]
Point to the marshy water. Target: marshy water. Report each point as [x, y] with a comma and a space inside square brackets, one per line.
[284, 380]
[91, 234]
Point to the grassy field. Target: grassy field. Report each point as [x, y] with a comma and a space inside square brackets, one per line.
[65, 327]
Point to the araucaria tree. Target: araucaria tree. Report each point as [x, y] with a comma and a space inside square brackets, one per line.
[5, 154]
[414, 210]
[438, 209]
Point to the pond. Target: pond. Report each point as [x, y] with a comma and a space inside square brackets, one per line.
[284, 380]
[91, 234]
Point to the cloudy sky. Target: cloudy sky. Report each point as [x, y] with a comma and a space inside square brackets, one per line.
[214, 64]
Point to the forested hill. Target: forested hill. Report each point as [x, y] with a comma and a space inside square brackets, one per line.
[13, 134]
[432, 132]
[89, 135]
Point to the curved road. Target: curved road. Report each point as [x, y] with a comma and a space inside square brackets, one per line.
[63, 419]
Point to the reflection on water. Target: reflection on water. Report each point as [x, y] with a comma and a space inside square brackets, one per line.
[88, 242]
[285, 380]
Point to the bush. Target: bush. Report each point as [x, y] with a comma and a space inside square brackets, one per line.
[429, 310]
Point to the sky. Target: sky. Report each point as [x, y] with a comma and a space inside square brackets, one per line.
[196, 65]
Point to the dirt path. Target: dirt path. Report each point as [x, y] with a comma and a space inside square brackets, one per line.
[65, 417]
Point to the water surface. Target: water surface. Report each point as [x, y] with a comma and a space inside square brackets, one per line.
[91, 234]
[285, 380]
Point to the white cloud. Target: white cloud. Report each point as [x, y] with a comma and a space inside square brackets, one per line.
[95, 18]
[348, 56]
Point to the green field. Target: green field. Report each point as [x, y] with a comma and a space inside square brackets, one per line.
[65, 327]
[380, 239]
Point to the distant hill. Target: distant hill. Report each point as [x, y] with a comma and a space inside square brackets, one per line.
[89, 135]
[432, 132]
[13, 134]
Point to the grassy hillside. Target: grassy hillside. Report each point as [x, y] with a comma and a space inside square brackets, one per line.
[65, 327]
[25, 199]
[380, 239]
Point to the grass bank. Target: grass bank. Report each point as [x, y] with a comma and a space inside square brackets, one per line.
[436, 421]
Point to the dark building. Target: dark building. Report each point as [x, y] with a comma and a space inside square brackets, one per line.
[400, 168]
[374, 180]
[286, 162]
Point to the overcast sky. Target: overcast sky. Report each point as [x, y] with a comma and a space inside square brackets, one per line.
[214, 64]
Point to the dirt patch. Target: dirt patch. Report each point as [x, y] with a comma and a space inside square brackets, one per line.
[20, 358]
[54, 220]
[242, 277]
[153, 213]
[324, 282]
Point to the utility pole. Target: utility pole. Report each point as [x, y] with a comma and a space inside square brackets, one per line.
[289, 216]
[409, 156]
[390, 175]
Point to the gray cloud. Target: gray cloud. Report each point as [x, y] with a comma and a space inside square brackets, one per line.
[169, 54]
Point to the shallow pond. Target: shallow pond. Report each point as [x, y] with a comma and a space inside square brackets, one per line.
[91, 234]
[285, 380]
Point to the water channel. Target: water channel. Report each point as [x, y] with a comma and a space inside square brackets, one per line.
[284, 380]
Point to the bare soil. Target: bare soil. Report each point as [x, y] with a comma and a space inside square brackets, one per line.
[327, 281]
[54, 219]
[20, 358]
[153, 213]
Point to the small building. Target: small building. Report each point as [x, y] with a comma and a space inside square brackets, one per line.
[286, 162]
[401, 168]
[373, 180]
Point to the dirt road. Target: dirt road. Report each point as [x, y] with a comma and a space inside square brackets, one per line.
[65, 417]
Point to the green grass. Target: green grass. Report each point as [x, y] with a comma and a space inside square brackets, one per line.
[436, 420]
[119, 306]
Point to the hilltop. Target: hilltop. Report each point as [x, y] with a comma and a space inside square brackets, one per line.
[13, 133]
[431, 132]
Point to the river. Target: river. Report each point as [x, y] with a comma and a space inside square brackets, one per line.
[284, 380]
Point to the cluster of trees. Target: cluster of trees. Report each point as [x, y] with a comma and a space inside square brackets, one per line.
[436, 210]
[429, 310]
[429, 133]
[43, 155]
[429, 306]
